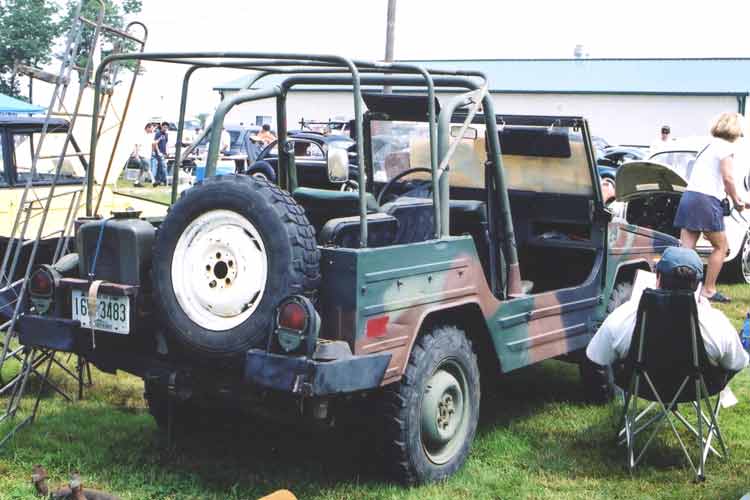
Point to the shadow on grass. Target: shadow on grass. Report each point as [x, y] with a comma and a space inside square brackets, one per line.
[539, 411]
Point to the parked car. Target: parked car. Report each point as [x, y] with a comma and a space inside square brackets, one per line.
[652, 189]
[310, 153]
[609, 158]
[614, 156]
[18, 138]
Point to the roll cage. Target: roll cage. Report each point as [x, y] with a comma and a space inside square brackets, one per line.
[303, 69]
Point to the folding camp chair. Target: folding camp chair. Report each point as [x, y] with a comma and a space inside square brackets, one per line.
[667, 365]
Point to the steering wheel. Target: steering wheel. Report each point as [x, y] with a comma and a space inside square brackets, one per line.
[349, 186]
[399, 176]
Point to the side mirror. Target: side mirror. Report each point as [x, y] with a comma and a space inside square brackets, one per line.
[338, 165]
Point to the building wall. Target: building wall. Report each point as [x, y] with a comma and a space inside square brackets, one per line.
[620, 119]
[625, 119]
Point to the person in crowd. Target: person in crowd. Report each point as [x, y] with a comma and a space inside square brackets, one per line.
[142, 155]
[226, 142]
[711, 182]
[160, 154]
[663, 140]
[155, 126]
[608, 190]
[265, 135]
[678, 269]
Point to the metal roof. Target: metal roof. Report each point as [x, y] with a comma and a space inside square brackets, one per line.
[12, 105]
[709, 76]
[33, 122]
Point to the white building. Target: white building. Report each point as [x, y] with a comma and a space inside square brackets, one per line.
[625, 100]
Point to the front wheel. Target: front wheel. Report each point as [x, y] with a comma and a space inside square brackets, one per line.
[432, 414]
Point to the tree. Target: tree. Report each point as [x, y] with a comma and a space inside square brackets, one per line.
[28, 30]
[114, 16]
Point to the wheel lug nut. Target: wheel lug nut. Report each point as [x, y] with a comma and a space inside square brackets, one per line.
[212, 284]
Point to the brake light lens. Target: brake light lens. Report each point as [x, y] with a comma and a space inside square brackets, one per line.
[292, 316]
[42, 283]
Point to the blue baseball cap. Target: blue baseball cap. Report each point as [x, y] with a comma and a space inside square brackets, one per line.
[674, 257]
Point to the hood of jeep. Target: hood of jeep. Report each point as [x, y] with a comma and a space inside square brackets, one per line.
[637, 179]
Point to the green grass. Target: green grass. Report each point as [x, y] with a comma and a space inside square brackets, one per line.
[161, 194]
[536, 439]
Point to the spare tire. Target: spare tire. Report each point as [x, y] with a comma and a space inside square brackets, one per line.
[227, 253]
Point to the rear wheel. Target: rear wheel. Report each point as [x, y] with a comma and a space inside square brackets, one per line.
[432, 414]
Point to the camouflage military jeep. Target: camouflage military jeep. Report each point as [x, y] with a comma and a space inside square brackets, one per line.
[295, 300]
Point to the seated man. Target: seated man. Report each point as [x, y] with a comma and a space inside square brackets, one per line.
[678, 269]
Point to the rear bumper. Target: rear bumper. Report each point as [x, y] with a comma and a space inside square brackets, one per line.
[304, 376]
[296, 375]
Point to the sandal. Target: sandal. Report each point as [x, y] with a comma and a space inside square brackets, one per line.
[719, 298]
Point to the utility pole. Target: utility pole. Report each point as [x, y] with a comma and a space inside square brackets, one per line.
[389, 37]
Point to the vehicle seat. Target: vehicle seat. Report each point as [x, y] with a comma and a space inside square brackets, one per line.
[416, 219]
[344, 231]
[322, 205]
[470, 217]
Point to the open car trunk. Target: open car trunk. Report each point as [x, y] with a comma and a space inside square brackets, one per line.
[652, 191]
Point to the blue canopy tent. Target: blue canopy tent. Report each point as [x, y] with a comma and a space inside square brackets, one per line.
[12, 106]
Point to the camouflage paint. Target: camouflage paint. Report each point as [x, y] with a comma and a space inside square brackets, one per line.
[406, 283]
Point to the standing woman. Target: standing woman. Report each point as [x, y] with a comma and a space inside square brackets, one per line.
[710, 182]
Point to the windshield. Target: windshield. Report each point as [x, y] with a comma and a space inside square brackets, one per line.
[534, 158]
[679, 161]
[192, 124]
[24, 148]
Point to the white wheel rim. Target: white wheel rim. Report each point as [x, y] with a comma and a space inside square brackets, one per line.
[219, 270]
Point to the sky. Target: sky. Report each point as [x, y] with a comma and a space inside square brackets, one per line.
[432, 29]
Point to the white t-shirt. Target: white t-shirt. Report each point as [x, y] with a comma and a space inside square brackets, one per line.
[226, 141]
[723, 345]
[659, 145]
[706, 174]
[145, 146]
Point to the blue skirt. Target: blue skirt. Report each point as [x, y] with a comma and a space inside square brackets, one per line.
[699, 212]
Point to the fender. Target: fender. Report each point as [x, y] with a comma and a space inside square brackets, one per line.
[262, 167]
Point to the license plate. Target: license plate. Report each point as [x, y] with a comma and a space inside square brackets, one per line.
[112, 312]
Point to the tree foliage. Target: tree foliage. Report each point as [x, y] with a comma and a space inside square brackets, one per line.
[29, 30]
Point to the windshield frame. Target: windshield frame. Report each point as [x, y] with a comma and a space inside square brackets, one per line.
[10, 175]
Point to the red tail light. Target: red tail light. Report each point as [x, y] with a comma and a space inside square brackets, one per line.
[41, 283]
[292, 316]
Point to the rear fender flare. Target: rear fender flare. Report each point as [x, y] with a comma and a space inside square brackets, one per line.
[464, 313]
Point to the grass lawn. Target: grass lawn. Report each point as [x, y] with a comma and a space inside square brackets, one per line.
[536, 439]
[160, 194]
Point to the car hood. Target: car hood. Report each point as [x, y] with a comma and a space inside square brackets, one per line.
[637, 179]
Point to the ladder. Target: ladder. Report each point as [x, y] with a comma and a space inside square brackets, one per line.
[32, 226]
